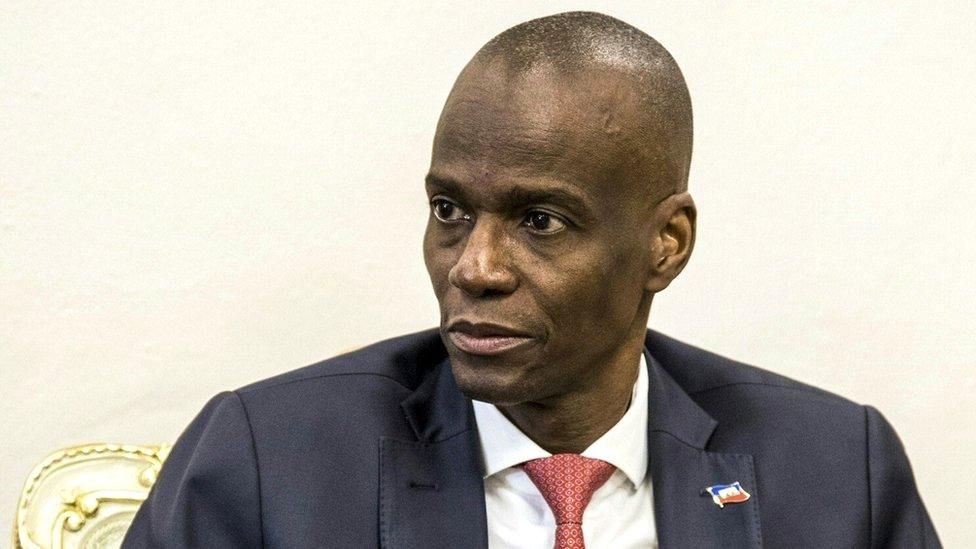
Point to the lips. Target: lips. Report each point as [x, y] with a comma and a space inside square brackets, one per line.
[485, 338]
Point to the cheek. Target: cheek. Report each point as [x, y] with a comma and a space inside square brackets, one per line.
[439, 258]
[596, 296]
[433, 263]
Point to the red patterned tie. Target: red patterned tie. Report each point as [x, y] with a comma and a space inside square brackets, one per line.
[567, 482]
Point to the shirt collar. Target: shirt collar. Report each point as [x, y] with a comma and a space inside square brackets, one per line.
[624, 446]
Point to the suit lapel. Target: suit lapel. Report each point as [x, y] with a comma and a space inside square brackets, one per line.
[431, 489]
[680, 467]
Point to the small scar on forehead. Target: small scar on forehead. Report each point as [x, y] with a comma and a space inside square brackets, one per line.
[609, 120]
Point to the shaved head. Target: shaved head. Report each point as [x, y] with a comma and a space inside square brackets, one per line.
[645, 107]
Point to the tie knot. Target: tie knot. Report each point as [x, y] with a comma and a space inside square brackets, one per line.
[567, 482]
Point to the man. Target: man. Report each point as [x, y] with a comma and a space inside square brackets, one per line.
[543, 412]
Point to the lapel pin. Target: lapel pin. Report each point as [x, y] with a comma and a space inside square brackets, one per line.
[727, 493]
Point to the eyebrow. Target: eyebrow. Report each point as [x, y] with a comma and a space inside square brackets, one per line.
[522, 195]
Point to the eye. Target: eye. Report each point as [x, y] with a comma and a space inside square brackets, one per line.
[447, 211]
[544, 222]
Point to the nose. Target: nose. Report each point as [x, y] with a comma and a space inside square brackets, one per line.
[484, 267]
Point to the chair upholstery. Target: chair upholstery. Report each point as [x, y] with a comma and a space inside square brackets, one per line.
[85, 496]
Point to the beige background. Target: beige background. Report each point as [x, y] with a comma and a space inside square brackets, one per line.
[195, 198]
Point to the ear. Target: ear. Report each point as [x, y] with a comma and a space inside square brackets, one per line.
[674, 238]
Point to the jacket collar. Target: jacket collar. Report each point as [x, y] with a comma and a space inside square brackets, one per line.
[432, 490]
[437, 409]
[672, 411]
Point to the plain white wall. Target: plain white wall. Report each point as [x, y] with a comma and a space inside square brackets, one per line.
[193, 198]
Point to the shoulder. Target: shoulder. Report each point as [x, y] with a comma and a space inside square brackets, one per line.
[843, 456]
[759, 411]
[396, 362]
[359, 391]
[704, 374]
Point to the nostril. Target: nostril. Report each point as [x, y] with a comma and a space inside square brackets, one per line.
[491, 292]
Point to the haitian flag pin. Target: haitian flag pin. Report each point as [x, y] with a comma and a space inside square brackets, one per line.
[727, 493]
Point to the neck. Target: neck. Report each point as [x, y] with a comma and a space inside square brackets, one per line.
[571, 422]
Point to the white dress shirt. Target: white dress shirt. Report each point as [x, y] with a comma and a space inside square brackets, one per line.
[621, 513]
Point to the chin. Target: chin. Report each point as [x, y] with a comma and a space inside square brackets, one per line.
[489, 383]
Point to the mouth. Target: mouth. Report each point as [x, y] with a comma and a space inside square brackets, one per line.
[485, 338]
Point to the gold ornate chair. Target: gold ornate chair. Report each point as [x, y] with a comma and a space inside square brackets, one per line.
[86, 496]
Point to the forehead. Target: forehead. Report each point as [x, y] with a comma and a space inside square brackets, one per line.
[538, 123]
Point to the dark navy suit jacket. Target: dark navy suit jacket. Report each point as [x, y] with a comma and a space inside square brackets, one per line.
[380, 448]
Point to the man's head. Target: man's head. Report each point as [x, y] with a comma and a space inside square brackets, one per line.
[558, 205]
